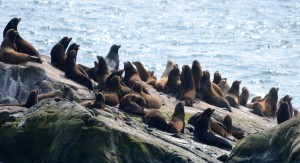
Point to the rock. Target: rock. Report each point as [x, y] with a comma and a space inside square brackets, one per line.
[278, 144]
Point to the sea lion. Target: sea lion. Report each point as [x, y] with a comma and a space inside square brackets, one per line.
[233, 94]
[224, 86]
[58, 53]
[218, 128]
[23, 46]
[90, 71]
[72, 71]
[238, 134]
[161, 83]
[112, 94]
[73, 46]
[99, 102]
[210, 95]
[287, 99]
[193, 118]
[115, 73]
[131, 74]
[269, 105]
[244, 96]
[217, 89]
[283, 113]
[197, 74]
[144, 75]
[8, 51]
[68, 93]
[102, 72]
[203, 135]
[155, 119]
[176, 124]
[217, 77]
[112, 58]
[296, 112]
[187, 86]
[31, 100]
[173, 82]
[256, 99]
[134, 104]
[151, 101]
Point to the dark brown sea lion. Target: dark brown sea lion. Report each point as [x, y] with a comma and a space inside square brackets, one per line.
[112, 58]
[99, 102]
[155, 119]
[23, 46]
[187, 86]
[102, 72]
[134, 104]
[72, 71]
[244, 96]
[287, 99]
[144, 75]
[233, 94]
[193, 118]
[112, 94]
[217, 77]
[201, 133]
[224, 86]
[90, 71]
[73, 46]
[217, 89]
[218, 128]
[68, 93]
[31, 100]
[151, 101]
[210, 95]
[161, 83]
[58, 53]
[238, 134]
[269, 105]
[177, 123]
[283, 113]
[115, 73]
[197, 74]
[131, 74]
[8, 51]
[173, 82]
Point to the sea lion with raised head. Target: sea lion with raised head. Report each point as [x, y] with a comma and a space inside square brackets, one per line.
[187, 86]
[9, 53]
[112, 58]
[72, 71]
[203, 135]
[287, 99]
[112, 94]
[233, 94]
[176, 124]
[173, 82]
[283, 113]
[144, 75]
[58, 53]
[23, 46]
[197, 74]
[269, 105]
[102, 72]
[131, 74]
[99, 102]
[244, 96]
[224, 86]
[134, 104]
[161, 83]
[115, 73]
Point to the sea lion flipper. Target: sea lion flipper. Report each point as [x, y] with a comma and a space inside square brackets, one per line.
[36, 59]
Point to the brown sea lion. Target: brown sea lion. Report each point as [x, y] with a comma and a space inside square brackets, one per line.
[238, 134]
[173, 82]
[256, 99]
[197, 74]
[283, 113]
[99, 102]
[151, 101]
[90, 71]
[115, 73]
[210, 95]
[144, 75]
[217, 89]
[233, 94]
[155, 119]
[8, 51]
[112, 58]
[244, 96]
[134, 104]
[102, 72]
[176, 124]
[112, 94]
[161, 83]
[269, 105]
[287, 99]
[131, 74]
[75, 47]
[224, 86]
[217, 77]
[201, 133]
[72, 71]
[23, 46]
[218, 128]
[58, 53]
[31, 100]
[187, 86]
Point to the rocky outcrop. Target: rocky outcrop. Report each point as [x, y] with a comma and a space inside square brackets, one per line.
[55, 130]
[278, 144]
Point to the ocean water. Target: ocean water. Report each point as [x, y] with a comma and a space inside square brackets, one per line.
[257, 42]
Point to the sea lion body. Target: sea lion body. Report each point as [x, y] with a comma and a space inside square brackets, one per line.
[173, 82]
[131, 74]
[99, 102]
[112, 94]
[161, 83]
[72, 71]
[224, 86]
[58, 53]
[144, 75]
[287, 99]
[102, 72]
[151, 101]
[283, 113]
[133, 103]
[269, 105]
[233, 94]
[155, 119]
[112, 58]
[176, 124]
[91, 72]
[244, 96]
[197, 74]
[187, 86]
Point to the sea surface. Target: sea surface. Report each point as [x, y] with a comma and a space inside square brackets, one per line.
[257, 42]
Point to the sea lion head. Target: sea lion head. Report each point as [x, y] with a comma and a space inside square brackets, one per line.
[217, 77]
[140, 101]
[287, 98]
[115, 48]
[179, 109]
[12, 34]
[114, 83]
[208, 112]
[65, 41]
[12, 24]
[273, 93]
[236, 85]
[245, 90]
[73, 46]
[227, 122]
[137, 87]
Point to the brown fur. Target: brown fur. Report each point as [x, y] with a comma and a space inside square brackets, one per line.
[233, 94]
[155, 119]
[269, 105]
[197, 74]
[102, 72]
[161, 83]
[112, 94]
[244, 96]
[177, 123]
[133, 103]
[238, 134]
[90, 71]
[131, 74]
[187, 86]
[173, 83]
[218, 128]
[144, 75]
[99, 102]
[72, 71]
[217, 89]
[58, 53]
